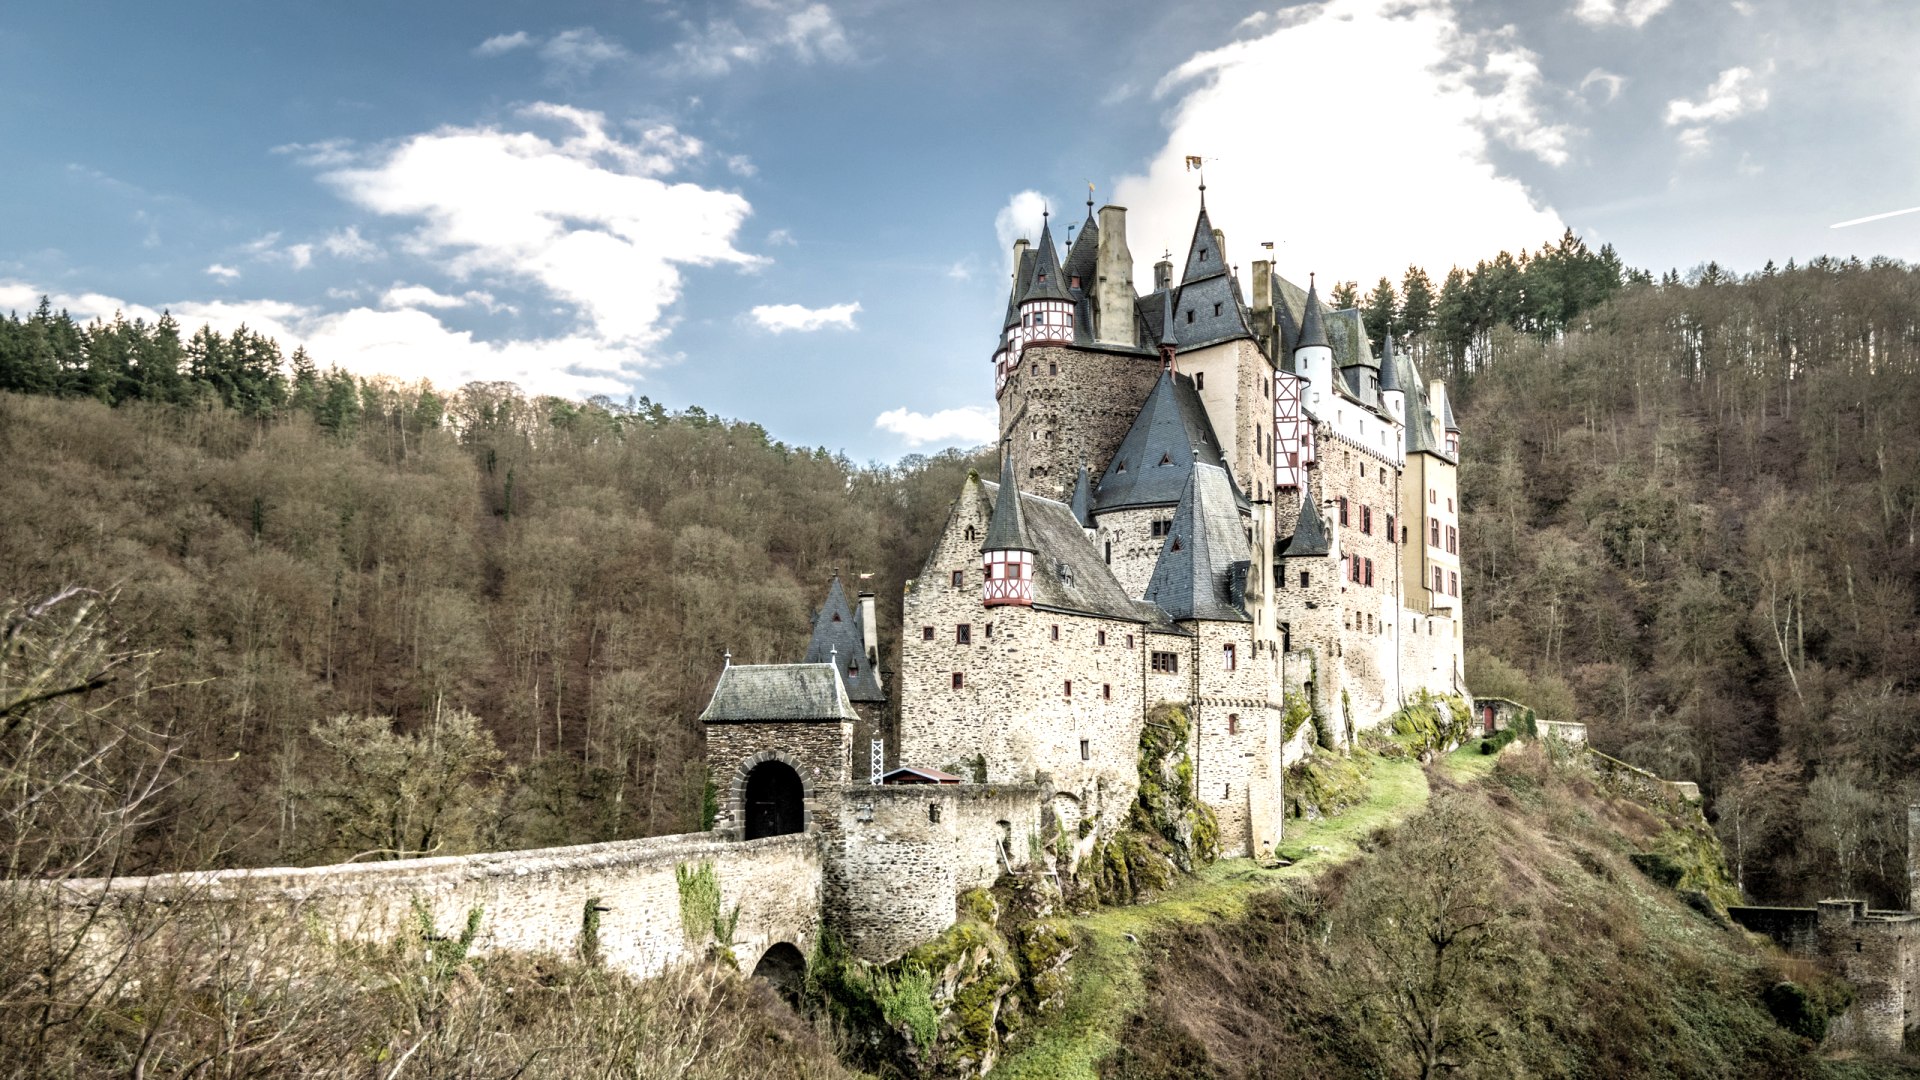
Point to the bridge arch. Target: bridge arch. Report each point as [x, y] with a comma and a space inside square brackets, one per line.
[770, 795]
[784, 967]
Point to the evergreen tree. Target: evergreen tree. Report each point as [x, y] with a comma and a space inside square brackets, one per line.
[1416, 303]
[1378, 312]
[1346, 295]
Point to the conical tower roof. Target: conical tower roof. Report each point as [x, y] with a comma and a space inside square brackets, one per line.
[1204, 257]
[1309, 533]
[1022, 277]
[1082, 502]
[1046, 283]
[1389, 365]
[1007, 529]
[1084, 254]
[1170, 436]
[839, 639]
[1194, 576]
[1313, 324]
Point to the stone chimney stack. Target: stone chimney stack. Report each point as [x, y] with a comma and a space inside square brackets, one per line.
[1913, 858]
[1019, 251]
[869, 630]
[1263, 303]
[1113, 279]
[1163, 275]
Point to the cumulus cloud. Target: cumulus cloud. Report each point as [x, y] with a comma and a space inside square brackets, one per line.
[781, 318]
[766, 30]
[503, 43]
[582, 216]
[224, 273]
[573, 54]
[1434, 198]
[970, 426]
[1020, 217]
[405, 296]
[1737, 92]
[1634, 13]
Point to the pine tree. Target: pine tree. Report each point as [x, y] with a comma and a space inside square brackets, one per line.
[1346, 295]
[1378, 312]
[1416, 303]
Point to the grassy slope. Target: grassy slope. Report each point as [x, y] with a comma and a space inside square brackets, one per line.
[1107, 984]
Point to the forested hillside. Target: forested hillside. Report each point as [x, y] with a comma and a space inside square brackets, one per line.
[568, 574]
[1690, 520]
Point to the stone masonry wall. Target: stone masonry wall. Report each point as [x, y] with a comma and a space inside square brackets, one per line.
[819, 750]
[1236, 720]
[1064, 405]
[1128, 534]
[904, 853]
[536, 901]
[1875, 953]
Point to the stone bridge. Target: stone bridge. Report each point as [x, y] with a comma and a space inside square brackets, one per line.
[540, 900]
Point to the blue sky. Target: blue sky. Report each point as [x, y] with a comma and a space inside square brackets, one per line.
[797, 212]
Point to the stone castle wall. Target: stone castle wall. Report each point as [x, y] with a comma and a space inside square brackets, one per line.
[1063, 406]
[1236, 720]
[819, 750]
[1128, 536]
[902, 854]
[1876, 952]
[530, 901]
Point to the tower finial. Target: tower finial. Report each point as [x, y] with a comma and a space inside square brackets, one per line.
[726, 658]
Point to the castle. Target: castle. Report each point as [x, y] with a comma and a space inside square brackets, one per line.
[1208, 495]
[1230, 506]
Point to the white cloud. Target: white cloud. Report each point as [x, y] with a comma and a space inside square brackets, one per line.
[961, 270]
[404, 296]
[781, 238]
[573, 54]
[581, 216]
[1634, 13]
[742, 165]
[1354, 210]
[324, 154]
[806, 32]
[503, 43]
[224, 273]
[1735, 93]
[970, 426]
[1253, 21]
[781, 318]
[300, 255]
[347, 243]
[1601, 77]
[1020, 217]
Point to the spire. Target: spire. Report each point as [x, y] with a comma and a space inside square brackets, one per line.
[838, 631]
[1046, 284]
[1309, 533]
[1167, 341]
[1194, 578]
[1083, 255]
[1082, 502]
[1204, 257]
[1313, 329]
[1389, 365]
[1007, 530]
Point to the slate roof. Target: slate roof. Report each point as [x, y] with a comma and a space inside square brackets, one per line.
[1022, 277]
[1309, 533]
[1172, 426]
[838, 638]
[1446, 414]
[1389, 365]
[1068, 574]
[1195, 575]
[1313, 329]
[1047, 283]
[778, 692]
[1084, 255]
[1347, 331]
[1204, 257]
[1007, 529]
[1419, 416]
[1082, 501]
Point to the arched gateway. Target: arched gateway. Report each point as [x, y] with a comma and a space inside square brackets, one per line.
[775, 800]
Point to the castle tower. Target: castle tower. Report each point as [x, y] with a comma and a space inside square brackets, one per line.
[1007, 553]
[1313, 354]
[1392, 397]
[1046, 309]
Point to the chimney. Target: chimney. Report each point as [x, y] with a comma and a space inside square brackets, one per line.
[1263, 301]
[1913, 858]
[1019, 250]
[1162, 275]
[869, 630]
[1113, 279]
[1220, 245]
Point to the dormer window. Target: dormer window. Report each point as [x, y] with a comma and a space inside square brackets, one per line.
[836, 615]
[1189, 316]
[1166, 459]
[1216, 311]
[1120, 466]
[1176, 543]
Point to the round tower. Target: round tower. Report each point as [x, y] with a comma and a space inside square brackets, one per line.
[1046, 309]
[1007, 553]
[1392, 395]
[1313, 355]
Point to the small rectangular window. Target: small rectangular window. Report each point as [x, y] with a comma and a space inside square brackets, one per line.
[959, 578]
[1106, 691]
[1343, 509]
[1453, 583]
[1433, 532]
[1056, 631]
[1129, 641]
[1453, 540]
[989, 631]
[933, 813]
[926, 633]
[1100, 637]
[1069, 688]
[1228, 658]
[1303, 579]
[1166, 662]
[1389, 533]
[1366, 520]
[1369, 580]
[1233, 723]
[1162, 528]
[1216, 310]
[1436, 581]
[1432, 496]
[1286, 637]
[960, 681]
[1199, 377]
[1086, 750]
[963, 634]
